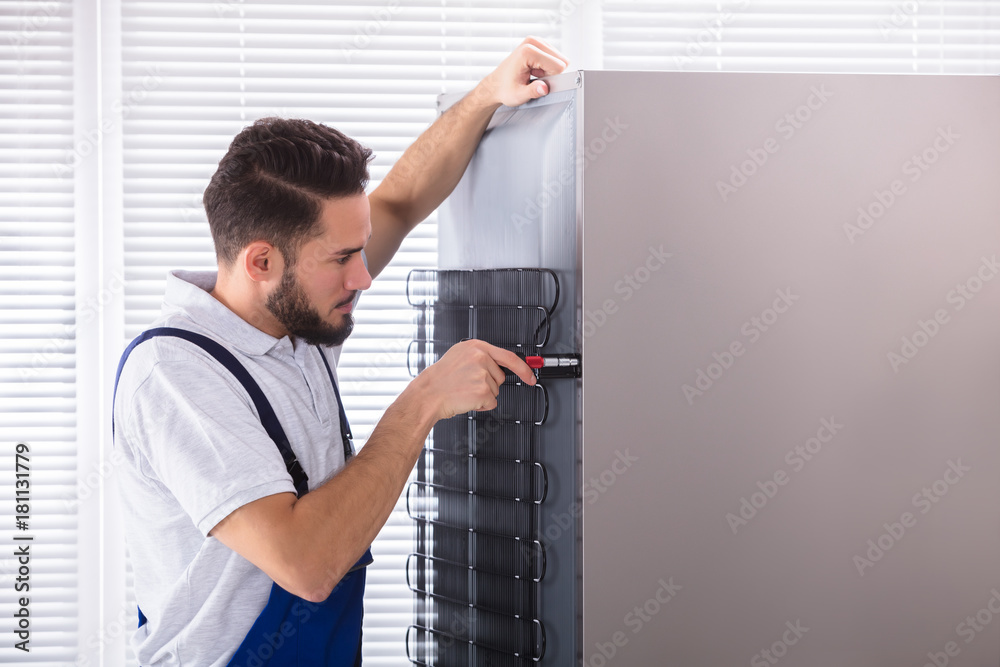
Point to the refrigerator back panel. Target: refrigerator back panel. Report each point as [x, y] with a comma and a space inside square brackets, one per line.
[517, 206]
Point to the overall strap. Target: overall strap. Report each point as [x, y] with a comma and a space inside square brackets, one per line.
[345, 427]
[267, 417]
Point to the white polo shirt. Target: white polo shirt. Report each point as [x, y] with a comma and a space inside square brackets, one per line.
[194, 450]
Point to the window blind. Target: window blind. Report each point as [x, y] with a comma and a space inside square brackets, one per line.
[38, 320]
[926, 36]
[201, 71]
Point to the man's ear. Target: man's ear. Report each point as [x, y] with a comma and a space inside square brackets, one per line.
[262, 262]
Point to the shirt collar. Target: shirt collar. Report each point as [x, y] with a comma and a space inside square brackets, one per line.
[188, 292]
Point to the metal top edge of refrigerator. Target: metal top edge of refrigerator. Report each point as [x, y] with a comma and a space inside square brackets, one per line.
[574, 79]
[557, 83]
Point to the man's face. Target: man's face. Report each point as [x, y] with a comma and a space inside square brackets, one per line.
[314, 298]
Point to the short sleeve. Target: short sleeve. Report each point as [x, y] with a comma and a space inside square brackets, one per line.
[200, 436]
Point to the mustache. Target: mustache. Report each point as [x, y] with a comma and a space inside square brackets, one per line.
[354, 295]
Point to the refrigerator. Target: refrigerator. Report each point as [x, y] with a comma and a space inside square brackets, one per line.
[775, 435]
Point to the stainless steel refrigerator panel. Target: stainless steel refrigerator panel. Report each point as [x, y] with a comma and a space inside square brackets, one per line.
[791, 398]
[517, 207]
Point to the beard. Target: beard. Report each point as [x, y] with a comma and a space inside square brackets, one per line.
[289, 305]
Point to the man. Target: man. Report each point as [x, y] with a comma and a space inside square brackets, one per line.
[247, 515]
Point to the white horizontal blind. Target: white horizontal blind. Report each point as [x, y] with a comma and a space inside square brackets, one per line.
[198, 72]
[37, 330]
[930, 36]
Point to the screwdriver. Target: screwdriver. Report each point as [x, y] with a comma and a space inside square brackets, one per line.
[555, 365]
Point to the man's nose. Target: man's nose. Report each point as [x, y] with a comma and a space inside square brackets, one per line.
[359, 278]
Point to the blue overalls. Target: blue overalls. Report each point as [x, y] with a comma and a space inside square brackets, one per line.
[290, 630]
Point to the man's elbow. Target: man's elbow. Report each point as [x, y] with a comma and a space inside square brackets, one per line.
[314, 581]
[313, 594]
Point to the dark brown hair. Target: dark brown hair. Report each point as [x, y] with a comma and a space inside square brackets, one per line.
[272, 181]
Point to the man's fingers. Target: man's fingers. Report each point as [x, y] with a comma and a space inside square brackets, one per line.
[540, 63]
[508, 359]
[537, 59]
[542, 45]
[498, 377]
[494, 385]
[511, 82]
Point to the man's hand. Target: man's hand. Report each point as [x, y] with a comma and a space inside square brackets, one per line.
[511, 84]
[468, 377]
[430, 168]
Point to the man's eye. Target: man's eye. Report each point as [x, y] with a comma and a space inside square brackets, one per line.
[344, 260]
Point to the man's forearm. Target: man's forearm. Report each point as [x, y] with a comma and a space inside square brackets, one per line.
[360, 498]
[431, 167]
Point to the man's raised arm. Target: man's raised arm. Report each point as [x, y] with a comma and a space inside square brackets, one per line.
[431, 167]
